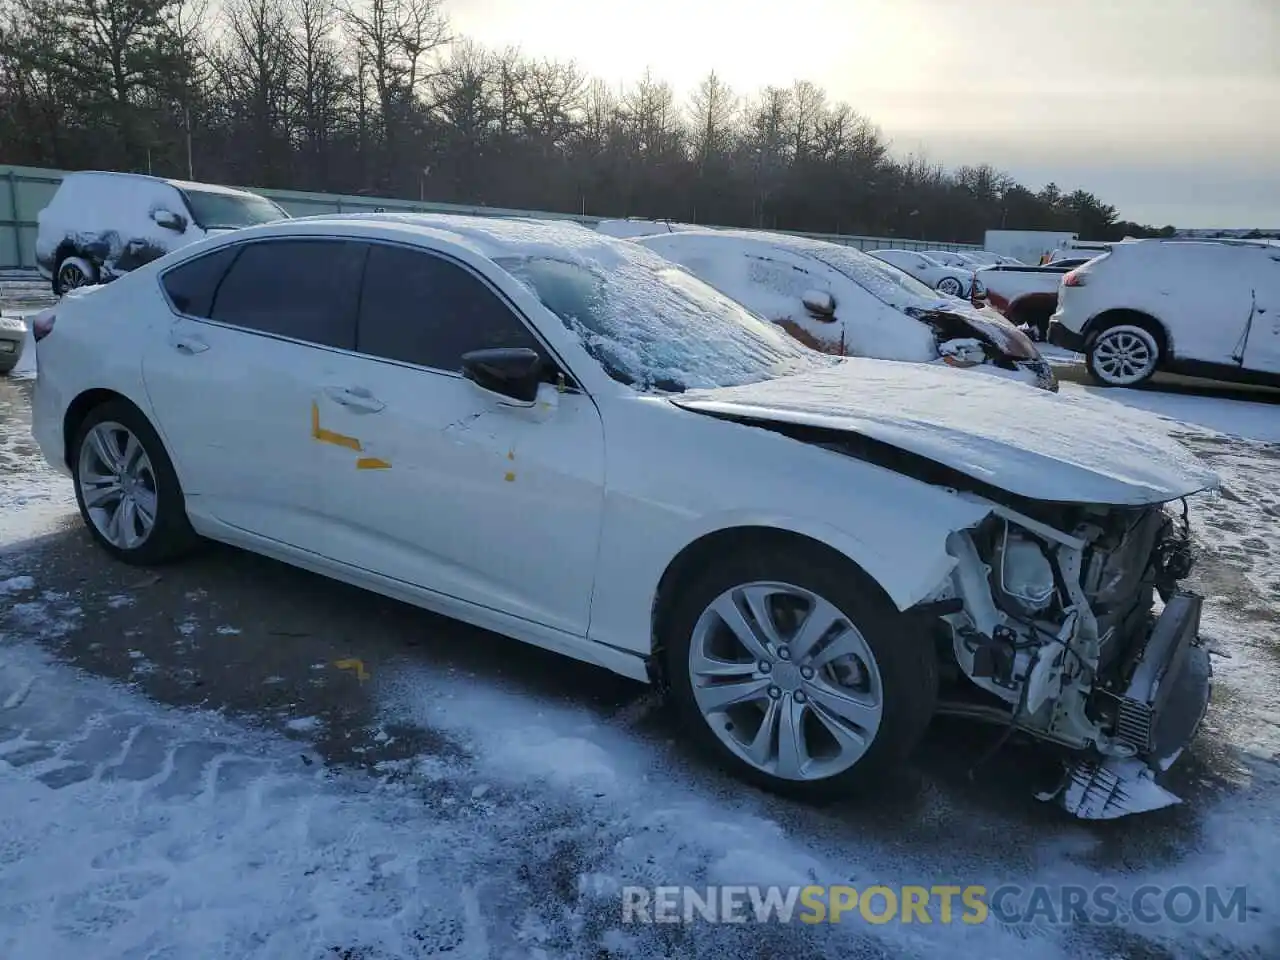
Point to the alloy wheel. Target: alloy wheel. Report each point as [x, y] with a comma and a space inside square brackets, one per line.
[70, 276]
[1124, 355]
[950, 286]
[118, 485]
[785, 680]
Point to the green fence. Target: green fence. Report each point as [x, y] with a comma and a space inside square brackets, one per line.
[24, 191]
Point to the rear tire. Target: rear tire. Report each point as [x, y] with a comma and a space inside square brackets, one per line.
[1125, 353]
[128, 493]
[950, 286]
[840, 711]
[72, 272]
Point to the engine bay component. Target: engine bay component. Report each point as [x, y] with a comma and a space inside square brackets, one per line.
[1022, 576]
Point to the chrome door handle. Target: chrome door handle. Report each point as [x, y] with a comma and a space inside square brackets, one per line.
[355, 398]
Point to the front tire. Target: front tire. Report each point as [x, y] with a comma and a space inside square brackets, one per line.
[1123, 355]
[795, 672]
[950, 286]
[126, 487]
[73, 272]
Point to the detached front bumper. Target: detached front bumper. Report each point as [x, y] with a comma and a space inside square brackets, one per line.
[1156, 716]
[1042, 372]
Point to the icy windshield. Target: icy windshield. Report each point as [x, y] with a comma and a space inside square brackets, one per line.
[227, 211]
[660, 328]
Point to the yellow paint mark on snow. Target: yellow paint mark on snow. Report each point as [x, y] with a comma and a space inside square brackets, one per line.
[510, 476]
[372, 463]
[355, 666]
[328, 436]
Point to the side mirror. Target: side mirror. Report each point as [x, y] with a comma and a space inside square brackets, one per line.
[169, 220]
[511, 372]
[820, 303]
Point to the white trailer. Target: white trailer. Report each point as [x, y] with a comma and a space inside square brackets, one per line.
[1029, 246]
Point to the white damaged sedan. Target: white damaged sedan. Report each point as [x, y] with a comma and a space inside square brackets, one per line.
[567, 439]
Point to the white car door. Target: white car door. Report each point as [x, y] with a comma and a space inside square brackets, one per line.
[235, 379]
[435, 482]
[1262, 352]
[1202, 292]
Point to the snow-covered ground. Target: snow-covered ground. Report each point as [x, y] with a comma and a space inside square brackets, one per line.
[150, 810]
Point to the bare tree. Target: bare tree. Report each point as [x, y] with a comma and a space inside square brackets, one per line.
[395, 40]
[713, 109]
[553, 95]
[254, 66]
[808, 105]
[319, 83]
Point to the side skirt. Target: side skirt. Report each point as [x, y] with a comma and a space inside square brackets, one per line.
[622, 662]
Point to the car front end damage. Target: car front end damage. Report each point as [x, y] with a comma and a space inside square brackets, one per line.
[1071, 626]
[972, 338]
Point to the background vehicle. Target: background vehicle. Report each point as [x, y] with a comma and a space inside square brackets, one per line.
[638, 227]
[954, 258]
[1198, 307]
[1027, 246]
[13, 334]
[953, 281]
[1080, 250]
[1026, 296]
[101, 225]
[840, 300]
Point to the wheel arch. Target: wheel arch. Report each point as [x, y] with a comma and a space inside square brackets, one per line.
[81, 407]
[848, 553]
[63, 250]
[1140, 318]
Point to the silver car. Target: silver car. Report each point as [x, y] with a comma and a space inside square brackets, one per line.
[13, 334]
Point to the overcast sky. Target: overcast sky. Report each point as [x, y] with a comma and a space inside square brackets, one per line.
[1169, 109]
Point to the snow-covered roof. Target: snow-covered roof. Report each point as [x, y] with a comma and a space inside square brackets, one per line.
[180, 184]
[500, 237]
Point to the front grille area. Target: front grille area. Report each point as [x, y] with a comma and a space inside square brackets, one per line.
[1133, 723]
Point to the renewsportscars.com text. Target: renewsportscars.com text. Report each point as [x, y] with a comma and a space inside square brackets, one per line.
[941, 904]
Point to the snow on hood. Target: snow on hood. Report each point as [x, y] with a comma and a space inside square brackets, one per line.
[1028, 442]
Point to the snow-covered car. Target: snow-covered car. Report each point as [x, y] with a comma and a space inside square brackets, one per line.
[985, 258]
[565, 438]
[101, 225]
[1026, 296]
[636, 227]
[13, 335]
[953, 281]
[839, 300]
[954, 258]
[1203, 308]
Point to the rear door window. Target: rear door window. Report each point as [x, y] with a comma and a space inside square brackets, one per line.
[302, 289]
[423, 309]
[191, 285]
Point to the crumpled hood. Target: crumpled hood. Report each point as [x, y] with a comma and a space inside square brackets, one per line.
[1072, 448]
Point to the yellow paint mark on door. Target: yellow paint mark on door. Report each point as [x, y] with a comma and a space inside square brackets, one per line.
[328, 436]
[355, 666]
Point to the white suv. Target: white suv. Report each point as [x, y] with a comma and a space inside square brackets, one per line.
[99, 226]
[1204, 308]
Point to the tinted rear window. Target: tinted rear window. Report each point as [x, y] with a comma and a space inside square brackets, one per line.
[192, 285]
[303, 289]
